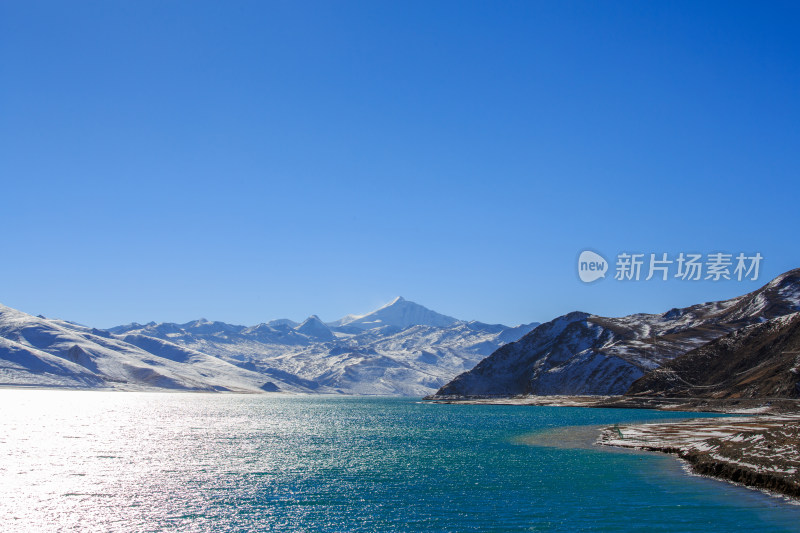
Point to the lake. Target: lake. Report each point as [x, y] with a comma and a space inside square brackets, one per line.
[117, 461]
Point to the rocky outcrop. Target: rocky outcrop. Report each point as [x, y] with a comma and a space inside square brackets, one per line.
[705, 465]
[757, 361]
[761, 452]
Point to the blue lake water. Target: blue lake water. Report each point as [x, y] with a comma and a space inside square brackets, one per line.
[112, 461]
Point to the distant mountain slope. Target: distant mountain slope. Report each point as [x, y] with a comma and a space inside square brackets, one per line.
[40, 352]
[412, 362]
[581, 353]
[757, 361]
[402, 348]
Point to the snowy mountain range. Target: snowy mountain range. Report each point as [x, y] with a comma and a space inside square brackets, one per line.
[579, 353]
[402, 348]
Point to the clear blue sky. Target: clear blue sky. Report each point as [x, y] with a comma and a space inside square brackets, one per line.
[244, 161]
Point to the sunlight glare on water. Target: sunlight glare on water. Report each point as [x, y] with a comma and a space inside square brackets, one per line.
[201, 462]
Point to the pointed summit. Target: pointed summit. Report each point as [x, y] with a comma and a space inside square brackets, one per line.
[313, 328]
[399, 313]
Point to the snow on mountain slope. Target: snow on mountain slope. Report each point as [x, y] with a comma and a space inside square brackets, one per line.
[413, 362]
[283, 322]
[399, 313]
[580, 353]
[757, 361]
[314, 329]
[41, 352]
[402, 348]
[21, 364]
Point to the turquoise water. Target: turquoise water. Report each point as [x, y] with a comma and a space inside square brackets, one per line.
[203, 462]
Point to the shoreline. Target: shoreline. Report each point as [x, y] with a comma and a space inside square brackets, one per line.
[758, 447]
[748, 406]
[759, 452]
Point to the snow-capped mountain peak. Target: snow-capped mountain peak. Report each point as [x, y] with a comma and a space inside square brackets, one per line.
[399, 313]
[313, 328]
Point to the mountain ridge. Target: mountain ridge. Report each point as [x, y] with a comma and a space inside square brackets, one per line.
[374, 356]
[580, 353]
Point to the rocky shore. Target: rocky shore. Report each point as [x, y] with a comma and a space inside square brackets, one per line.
[762, 452]
[706, 405]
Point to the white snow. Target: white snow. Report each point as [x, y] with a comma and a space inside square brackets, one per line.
[399, 313]
[283, 355]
